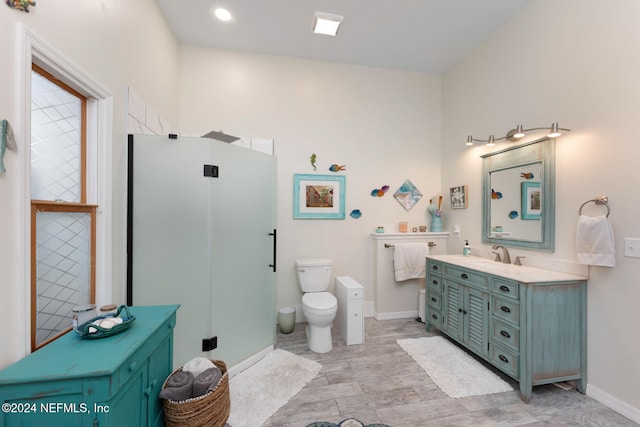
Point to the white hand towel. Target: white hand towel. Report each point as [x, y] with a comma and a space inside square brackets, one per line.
[595, 244]
[409, 260]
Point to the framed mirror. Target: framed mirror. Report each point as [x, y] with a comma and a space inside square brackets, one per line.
[518, 196]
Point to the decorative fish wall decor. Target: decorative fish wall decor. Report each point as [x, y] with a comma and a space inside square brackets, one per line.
[527, 175]
[313, 161]
[513, 214]
[336, 168]
[380, 192]
[355, 213]
[496, 194]
[22, 5]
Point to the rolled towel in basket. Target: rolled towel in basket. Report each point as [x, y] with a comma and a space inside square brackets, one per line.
[179, 386]
[198, 365]
[206, 381]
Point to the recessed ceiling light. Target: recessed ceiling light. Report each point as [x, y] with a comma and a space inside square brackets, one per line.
[222, 14]
[326, 23]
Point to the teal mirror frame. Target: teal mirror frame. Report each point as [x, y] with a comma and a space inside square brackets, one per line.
[541, 150]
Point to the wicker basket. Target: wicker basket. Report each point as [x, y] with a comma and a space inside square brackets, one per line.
[211, 409]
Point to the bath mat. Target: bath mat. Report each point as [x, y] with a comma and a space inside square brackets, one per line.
[457, 373]
[259, 391]
[350, 422]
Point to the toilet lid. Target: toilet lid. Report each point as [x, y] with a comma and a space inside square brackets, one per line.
[319, 300]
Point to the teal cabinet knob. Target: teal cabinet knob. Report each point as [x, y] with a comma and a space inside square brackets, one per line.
[132, 366]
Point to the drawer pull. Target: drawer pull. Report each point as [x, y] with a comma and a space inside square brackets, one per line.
[434, 282]
[503, 358]
[434, 316]
[434, 267]
[504, 288]
[459, 310]
[505, 334]
[132, 366]
[464, 276]
[355, 294]
[505, 309]
[434, 299]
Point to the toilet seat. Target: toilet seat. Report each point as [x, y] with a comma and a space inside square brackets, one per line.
[319, 302]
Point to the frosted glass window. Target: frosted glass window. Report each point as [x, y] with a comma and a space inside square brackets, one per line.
[62, 223]
[63, 256]
[56, 142]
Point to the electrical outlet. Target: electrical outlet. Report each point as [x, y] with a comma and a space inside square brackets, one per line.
[632, 247]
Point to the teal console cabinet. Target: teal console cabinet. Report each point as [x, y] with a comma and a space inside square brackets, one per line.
[112, 381]
[530, 323]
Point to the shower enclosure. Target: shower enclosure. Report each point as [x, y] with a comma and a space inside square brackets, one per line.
[201, 233]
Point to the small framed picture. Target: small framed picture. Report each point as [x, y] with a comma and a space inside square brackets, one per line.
[318, 196]
[531, 200]
[458, 197]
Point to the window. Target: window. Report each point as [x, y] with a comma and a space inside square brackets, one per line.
[63, 223]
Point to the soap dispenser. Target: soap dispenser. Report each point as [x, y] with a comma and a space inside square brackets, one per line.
[466, 250]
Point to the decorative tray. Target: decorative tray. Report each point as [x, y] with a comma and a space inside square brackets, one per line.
[92, 329]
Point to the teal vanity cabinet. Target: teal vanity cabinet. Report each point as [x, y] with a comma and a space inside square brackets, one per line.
[111, 381]
[530, 323]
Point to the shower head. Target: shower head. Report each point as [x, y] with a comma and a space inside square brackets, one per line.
[221, 136]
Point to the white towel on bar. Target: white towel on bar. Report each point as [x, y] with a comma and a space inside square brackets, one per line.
[595, 244]
[409, 260]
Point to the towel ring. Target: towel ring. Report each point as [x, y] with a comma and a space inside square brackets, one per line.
[600, 200]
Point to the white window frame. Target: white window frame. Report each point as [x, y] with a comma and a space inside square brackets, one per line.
[30, 49]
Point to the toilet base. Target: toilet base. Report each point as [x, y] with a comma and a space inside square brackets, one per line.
[319, 338]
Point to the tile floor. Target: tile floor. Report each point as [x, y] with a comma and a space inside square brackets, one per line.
[378, 382]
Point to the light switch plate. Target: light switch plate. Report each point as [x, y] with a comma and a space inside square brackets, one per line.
[632, 247]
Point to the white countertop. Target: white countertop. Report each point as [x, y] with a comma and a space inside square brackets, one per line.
[520, 273]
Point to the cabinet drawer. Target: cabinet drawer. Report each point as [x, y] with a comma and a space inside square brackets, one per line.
[434, 299]
[506, 335]
[434, 266]
[355, 310]
[505, 360]
[434, 317]
[129, 369]
[506, 309]
[505, 289]
[434, 282]
[464, 276]
[355, 293]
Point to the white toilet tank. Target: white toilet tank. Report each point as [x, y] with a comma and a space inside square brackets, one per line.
[313, 274]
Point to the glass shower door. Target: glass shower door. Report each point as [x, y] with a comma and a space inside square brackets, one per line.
[204, 242]
[171, 235]
[243, 216]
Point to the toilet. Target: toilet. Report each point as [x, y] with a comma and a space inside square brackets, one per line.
[318, 305]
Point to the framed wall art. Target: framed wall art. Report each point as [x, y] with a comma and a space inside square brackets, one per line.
[458, 197]
[318, 196]
[531, 200]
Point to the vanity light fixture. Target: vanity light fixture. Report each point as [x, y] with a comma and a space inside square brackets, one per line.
[518, 133]
[326, 23]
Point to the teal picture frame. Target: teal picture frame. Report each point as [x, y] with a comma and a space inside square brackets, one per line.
[319, 196]
[531, 200]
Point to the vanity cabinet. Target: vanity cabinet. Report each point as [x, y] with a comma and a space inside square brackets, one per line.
[111, 381]
[534, 330]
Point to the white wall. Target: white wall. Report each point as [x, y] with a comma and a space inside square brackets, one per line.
[384, 125]
[118, 43]
[576, 62]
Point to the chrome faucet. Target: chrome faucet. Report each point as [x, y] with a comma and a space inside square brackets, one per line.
[505, 254]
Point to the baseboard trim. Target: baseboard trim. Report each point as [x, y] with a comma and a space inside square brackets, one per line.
[614, 403]
[397, 315]
[369, 309]
[249, 361]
